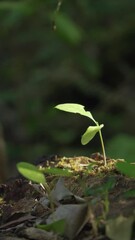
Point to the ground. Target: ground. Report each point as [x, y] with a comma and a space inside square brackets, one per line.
[103, 197]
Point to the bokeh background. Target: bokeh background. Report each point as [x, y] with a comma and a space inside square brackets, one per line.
[52, 52]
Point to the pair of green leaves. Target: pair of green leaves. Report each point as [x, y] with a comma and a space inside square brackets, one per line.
[77, 108]
[37, 175]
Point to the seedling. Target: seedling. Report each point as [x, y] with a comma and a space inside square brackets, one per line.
[37, 175]
[102, 192]
[91, 130]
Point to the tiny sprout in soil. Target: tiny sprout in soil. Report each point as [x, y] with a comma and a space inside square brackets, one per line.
[91, 130]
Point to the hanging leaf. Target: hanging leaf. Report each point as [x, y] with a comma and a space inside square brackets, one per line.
[75, 108]
[31, 172]
[67, 29]
[90, 133]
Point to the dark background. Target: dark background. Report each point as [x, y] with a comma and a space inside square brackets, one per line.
[84, 53]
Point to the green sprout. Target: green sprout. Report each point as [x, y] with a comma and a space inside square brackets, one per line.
[35, 174]
[91, 130]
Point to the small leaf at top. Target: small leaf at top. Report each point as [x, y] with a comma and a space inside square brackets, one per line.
[75, 108]
[31, 172]
[90, 133]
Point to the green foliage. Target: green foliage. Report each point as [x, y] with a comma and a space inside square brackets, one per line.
[67, 29]
[35, 174]
[74, 108]
[90, 133]
[31, 172]
[57, 172]
[129, 194]
[92, 130]
[126, 168]
[101, 190]
[56, 226]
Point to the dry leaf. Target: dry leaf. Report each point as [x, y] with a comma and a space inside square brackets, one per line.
[75, 215]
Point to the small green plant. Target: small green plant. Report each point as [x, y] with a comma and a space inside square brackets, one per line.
[37, 175]
[91, 130]
[102, 194]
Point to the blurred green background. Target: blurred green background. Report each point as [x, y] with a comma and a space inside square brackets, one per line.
[82, 52]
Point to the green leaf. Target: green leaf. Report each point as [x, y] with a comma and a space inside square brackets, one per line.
[101, 190]
[129, 194]
[31, 172]
[109, 184]
[58, 172]
[67, 29]
[57, 226]
[75, 108]
[126, 168]
[90, 133]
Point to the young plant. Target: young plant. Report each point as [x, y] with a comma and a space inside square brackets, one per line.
[91, 130]
[35, 174]
[101, 193]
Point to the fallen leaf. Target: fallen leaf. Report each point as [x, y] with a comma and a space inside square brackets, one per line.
[61, 194]
[75, 216]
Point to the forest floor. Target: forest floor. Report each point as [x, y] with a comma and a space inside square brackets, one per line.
[96, 203]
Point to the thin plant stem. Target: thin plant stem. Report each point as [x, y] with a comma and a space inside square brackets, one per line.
[106, 205]
[103, 147]
[102, 144]
[46, 186]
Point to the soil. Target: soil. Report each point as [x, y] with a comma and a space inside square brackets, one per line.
[19, 198]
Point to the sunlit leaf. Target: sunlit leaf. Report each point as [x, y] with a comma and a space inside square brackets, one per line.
[126, 168]
[31, 172]
[90, 133]
[75, 108]
[56, 226]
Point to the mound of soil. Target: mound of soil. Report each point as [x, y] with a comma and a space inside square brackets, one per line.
[24, 205]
